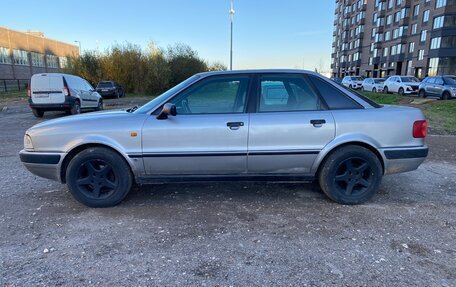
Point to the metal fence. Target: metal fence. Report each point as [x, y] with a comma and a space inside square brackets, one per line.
[13, 85]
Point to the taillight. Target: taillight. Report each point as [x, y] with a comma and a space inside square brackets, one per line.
[66, 91]
[29, 91]
[419, 129]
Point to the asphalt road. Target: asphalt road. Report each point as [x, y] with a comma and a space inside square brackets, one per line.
[227, 234]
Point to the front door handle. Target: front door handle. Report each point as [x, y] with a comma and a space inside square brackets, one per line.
[318, 123]
[235, 125]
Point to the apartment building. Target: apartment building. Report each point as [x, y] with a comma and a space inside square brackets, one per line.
[378, 38]
[23, 54]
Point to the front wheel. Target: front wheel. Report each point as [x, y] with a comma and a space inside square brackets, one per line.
[401, 91]
[422, 94]
[99, 177]
[351, 175]
[38, 113]
[100, 105]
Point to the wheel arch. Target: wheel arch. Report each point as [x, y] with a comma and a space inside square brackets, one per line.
[328, 150]
[78, 148]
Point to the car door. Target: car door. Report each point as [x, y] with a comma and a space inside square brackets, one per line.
[438, 86]
[429, 86]
[92, 95]
[208, 136]
[290, 126]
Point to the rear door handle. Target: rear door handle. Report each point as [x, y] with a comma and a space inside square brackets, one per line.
[235, 125]
[317, 122]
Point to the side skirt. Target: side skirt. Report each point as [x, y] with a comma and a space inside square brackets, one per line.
[225, 178]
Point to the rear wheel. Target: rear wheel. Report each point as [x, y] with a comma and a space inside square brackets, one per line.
[374, 90]
[76, 109]
[99, 177]
[446, 96]
[385, 90]
[422, 94]
[38, 113]
[351, 175]
[100, 105]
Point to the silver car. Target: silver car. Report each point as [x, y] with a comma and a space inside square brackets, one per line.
[267, 125]
[443, 87]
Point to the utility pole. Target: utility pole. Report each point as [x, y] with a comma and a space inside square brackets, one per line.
[231, 41]
[79, 42]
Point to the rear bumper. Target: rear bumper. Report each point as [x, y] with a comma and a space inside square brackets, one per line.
[66, 105]
[42, 164]
[399, 160]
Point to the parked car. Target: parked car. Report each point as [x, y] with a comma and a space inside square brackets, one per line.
[267, 125]
[353, 82]
[403, 85]
[61, 92]
[337, 80]
[110, 89]
[373, 84]
[443, 87]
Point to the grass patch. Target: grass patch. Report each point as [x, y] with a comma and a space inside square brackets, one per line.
[383, 99]
[12, 95]
[441, 115]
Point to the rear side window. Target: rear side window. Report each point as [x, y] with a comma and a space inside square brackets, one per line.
[283, 93]
[105, 85]
[335, 99]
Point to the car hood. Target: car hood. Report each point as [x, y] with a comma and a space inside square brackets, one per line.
[87, 117]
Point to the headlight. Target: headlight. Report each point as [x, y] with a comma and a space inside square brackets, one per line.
[409, 88]
[28, 146]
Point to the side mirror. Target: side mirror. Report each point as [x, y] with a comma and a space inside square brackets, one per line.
[167, 110]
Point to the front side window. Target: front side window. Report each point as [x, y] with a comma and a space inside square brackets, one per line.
[281, 93]
[216, 95]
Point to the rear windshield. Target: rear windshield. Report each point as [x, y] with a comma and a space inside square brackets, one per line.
[105, 85]
[450, 80]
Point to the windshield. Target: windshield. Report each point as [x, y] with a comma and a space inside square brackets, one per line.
[147, 107]
[356, 78]
[450, 80]
[410, 79]
[379, 81]
[104, 85]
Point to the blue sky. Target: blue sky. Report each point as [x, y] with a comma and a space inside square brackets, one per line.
[267, 33]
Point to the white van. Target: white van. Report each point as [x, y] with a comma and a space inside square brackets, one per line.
[62, 92]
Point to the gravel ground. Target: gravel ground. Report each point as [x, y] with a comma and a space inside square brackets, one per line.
[226, 234]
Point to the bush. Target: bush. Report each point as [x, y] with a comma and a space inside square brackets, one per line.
[150, 71]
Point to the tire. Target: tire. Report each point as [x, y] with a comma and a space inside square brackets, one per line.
[446, 96]
[38, 113]
[350, 175]
[422, 94]
[351, 87]
[385, 90]
[98, 177]
[76, 109]
[374, 90]
[401, 92]
[100, 106]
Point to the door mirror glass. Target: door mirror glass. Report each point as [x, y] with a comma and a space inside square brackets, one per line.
[168, 109]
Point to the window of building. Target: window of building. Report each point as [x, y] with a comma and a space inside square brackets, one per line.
[389, 19]
[393, 50]
[438, 22]
[440, 3]
[387, 35]
[385, 52]
[433, 66]
[416, 10]
[398, 2]
[409, 68]
[404, 12]
[411, 47]
[423, 35]
[20, 57]
[403, 30]
[420, 55]
[414, 29]
[397, 16]
[37, 59]
[5, 56]
[395, 33]
[450, 20]
[52, 61]
[448, 42]
[426, 16]
[390, 4]
[435, 42]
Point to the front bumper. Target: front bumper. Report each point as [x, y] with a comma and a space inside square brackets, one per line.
[43, 164]
[411, 91]
[399, 160]
[110, 93]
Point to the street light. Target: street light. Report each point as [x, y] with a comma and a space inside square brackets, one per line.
[79, 42]
[231, 42]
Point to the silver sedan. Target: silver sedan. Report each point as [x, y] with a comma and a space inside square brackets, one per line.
[267, 125]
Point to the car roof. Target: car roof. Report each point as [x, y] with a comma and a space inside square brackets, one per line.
[259, 71]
